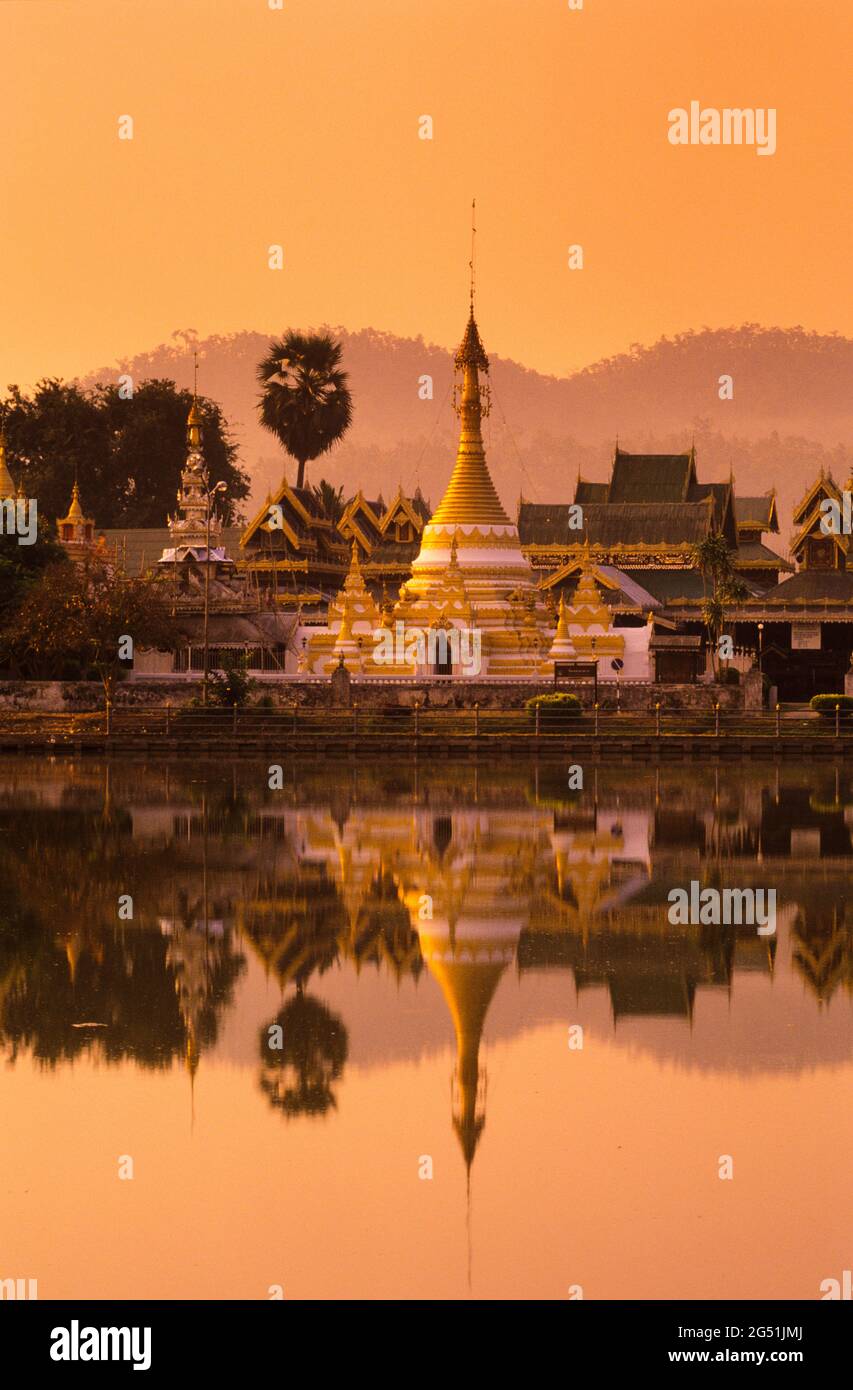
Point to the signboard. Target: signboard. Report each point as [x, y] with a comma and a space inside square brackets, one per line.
[805, 637]
[575, 671]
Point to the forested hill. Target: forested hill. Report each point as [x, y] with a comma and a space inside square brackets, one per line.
[791, 412]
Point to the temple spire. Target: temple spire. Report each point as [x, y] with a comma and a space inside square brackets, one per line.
[194, 417]
[7, 486]
[473, 247]
[471, 497]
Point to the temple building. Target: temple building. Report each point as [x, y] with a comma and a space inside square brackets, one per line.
[803, 626]
[800, 630]
[301, 556]
[242, 623]
[361, 521]
[178, 550]
[643, 523]
[755, 563]
[816, 546]
[388, 537]
[293, 550]
[191, 529]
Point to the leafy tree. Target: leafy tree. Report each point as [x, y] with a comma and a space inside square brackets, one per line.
[721, 587]
[56, 435]
[149, 449]
[73, 619]
[127, 455]
[305, 401]
[22, 565]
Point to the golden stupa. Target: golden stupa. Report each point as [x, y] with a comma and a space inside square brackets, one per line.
[470, 580]
[470, 552]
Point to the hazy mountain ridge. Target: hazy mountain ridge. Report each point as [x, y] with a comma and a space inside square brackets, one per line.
[791, 413]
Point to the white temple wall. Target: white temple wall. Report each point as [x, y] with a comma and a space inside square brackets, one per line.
[637, 660]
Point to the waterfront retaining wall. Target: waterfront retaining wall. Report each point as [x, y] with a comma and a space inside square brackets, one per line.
[70, 697]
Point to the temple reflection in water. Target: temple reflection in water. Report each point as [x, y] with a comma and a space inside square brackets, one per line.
[465, 873]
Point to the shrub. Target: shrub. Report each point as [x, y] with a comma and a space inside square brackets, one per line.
[560, 705]
[230, 685]
[729, 675]
[825, 705]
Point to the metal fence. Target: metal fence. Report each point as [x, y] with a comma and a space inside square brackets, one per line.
[404, 724]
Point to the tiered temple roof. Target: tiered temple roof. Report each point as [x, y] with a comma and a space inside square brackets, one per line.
[755, 561]
[644, 521]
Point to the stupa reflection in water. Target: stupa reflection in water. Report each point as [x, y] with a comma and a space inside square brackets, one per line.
[460, 873]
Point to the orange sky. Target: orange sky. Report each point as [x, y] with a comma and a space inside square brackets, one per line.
[299, 127]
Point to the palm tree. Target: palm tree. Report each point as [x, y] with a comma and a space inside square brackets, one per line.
[305, 402]
[720, 585]
[331, 499]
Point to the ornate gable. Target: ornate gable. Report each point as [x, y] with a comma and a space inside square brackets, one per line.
[361, 523]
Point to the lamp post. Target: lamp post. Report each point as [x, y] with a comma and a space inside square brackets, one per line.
[210, 493]
[760, 644]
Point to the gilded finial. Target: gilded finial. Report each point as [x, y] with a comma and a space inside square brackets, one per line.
[473, 237]
[194, 417]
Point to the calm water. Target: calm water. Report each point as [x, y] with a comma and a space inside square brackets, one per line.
[409, 1039]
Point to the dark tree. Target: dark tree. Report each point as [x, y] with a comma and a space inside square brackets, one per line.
[331, 499]
[149, 448]
[57, 434]
[305, 402]
[126, 454]
[297, 1078]
[21, 566]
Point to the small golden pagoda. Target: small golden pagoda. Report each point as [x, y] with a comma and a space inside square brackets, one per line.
[588, 622]
[561, 647]
[355, 624]
[75, 530]
[7, 486]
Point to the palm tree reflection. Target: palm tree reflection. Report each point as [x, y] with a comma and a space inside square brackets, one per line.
[297, 1076]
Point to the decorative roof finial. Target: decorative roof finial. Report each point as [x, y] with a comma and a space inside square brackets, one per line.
[473, 236]
[194, 417]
